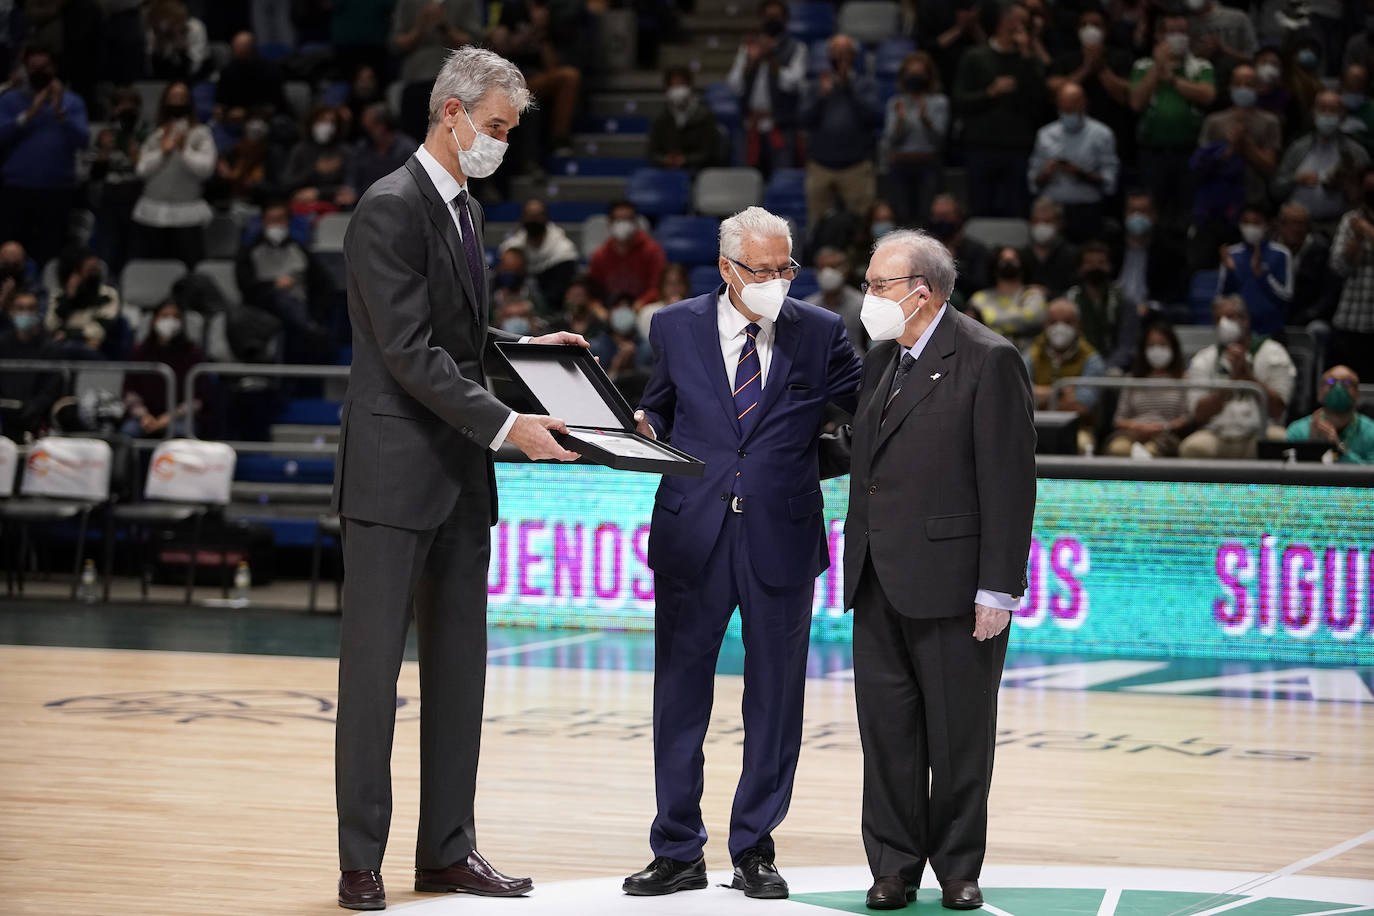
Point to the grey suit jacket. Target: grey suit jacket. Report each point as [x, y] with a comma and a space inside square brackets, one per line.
[418, 419]
[942, 491]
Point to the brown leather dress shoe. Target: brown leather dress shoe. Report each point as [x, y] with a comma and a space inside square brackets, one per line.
[961, 895]
[890, 893]
[361, 890]
[473, 875]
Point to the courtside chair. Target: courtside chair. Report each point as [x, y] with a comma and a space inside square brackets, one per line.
[187, 478]
[65, 479]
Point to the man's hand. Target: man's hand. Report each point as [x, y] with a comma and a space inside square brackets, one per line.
[1237, 361]
[561, 337]
[531, 435]
[989, 621]
[1307, 179]
[285, 281]
[1322, 428]
[1002, 85]
[642, 426]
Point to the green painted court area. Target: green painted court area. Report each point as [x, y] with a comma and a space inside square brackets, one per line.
[1042, 901]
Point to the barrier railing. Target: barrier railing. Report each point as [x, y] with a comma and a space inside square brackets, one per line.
[1122, 382]
[69, 368]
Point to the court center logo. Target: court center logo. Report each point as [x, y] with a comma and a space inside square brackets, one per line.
[265, 707]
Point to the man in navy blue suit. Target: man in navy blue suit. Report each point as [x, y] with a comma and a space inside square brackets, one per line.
[741, 378]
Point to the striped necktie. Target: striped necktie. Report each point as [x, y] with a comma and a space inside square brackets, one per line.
[748, 380]
[903, 370]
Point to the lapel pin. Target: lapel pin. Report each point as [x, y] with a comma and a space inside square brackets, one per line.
[934, 376]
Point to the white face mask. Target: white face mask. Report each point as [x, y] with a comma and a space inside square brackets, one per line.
[679, 95]
[485, 155]
[1177, 42]
[1228, 331]
[323, 132]
[167, 328]
[622, 230]
[1252, 233]
[275, 234]
[883, 319]
[1043, 233]
[1061, 335]
[1159, 356]
[1090, 35]
[829, 279]
[1268, 73]
[763, 299]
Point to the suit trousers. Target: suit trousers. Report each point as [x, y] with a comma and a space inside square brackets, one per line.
[690, 618]
[927, 700]
[439, 576]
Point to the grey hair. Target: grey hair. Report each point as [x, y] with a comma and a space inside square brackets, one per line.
[751, 222]
[468, 74]
[926, 256]
[1044, 200]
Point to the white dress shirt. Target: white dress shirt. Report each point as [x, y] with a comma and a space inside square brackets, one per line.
[1000, 600]
[730, 325]
[449, 188]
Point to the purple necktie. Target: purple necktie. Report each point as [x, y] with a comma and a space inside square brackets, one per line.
[474, 255]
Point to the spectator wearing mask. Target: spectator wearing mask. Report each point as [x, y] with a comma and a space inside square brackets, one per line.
[673, 286]
[381, 150]
[249, 82]
[511, 280]
[245, 169]
[1000, 94]
[1110, 320]
[1319, 168]
[1231, 423]
[840, 119]
[878, 221]
[1170, 90]
[1305, 69]
[422, 32]
[1314, 287]
[84, 312]
[1338, 419]
[1050, 260]
[972, 256]
[1352, 259]
[1222, 34]
[551, 256]
[525, 36]
[1101, 68]
[1152, 419]
[1274, 96]
[624, 352]
[1358, 115]
[1059, 352]
[1074, 163]
[768, 75]
[914, 135]
[115, 186]
[1149, 255]
[630, 261]
[684, 135]
[277, 274]
[516, 316]
[42, 130]
[1260, 271]
[147, 413]
[317, 171]
[176, 160]
[177, 43]
[33, 393]
[838, 295]
[583, 310]
[1011, 307]
[1238, 152]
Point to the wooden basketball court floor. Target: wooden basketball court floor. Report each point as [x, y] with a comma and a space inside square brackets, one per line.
[144, 781]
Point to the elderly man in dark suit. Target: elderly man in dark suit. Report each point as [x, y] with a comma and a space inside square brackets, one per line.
[942, 494]
[415, 485]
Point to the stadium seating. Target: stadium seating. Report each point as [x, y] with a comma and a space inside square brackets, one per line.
[689, 240]
[811, 20]
[329, 232]
[722, 192]
[145, 284]
[659, 192]
[998, 232]
[869, 21]
[888, 56]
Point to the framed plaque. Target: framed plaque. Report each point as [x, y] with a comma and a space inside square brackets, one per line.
[565, 381]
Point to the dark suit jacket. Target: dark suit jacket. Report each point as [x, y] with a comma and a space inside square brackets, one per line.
[942, 493]
[417, 419]
[689, 403]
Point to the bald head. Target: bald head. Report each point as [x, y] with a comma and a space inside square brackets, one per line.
[1062, 310]
[1071, 99]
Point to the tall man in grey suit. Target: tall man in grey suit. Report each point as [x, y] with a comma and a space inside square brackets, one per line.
[941, 499]
[416, 489]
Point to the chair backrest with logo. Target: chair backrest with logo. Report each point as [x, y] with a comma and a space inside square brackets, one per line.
[69, 468]
[190, 470]
[9, 463]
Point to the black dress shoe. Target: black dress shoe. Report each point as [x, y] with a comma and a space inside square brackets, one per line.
[961, 895]
[473, 875]
[667, 876]
[890, 893]
[361, 890]
[757, 877]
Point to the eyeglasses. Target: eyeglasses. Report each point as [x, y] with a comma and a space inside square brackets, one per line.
[1331, 381]
[878, 287]
[765, 274]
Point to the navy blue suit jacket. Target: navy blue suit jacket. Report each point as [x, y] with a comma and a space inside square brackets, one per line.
[688, 402]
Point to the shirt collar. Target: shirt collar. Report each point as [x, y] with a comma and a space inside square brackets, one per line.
[919, 346]
[444, 182]
[732, 321]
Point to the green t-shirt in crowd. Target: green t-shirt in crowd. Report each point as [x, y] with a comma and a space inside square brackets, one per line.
[1169, 119]
[1357, 437]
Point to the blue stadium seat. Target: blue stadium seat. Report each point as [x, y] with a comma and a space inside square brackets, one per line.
[804, 285]
[888, 56]
[507, 211]
[659, 192]
[811, 20]
[816, 57]
[1201, 292]
[595, 166]
[311, 412]
[273, 51]
[203, 98]
[785, 194]
[724, 104]
[788, 180]
[614, 124]
[277, 469]
[334, 94]
[689, 240]
[572, 211]
[703, 278]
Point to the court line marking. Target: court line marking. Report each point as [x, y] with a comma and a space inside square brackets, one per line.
[1109, 902]
[996, 911]
[506, 651]
[1225, 907]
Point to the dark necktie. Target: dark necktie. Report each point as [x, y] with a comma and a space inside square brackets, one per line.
[748, 380]
[903, 370]
[470, 247]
